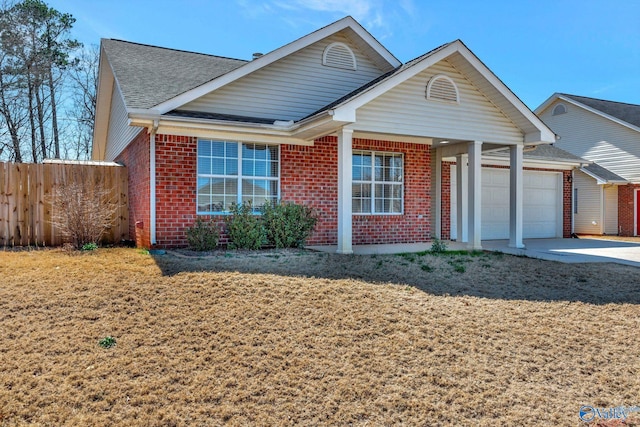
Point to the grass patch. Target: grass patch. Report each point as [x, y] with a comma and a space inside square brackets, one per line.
[312, 339]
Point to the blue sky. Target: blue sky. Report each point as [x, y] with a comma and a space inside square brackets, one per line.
[582, 47]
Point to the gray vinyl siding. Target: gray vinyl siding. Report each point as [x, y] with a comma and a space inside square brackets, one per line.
[120, 133]
[611, 209]
[405, 110]
[589, 205]
[590, 136]
[290, 88]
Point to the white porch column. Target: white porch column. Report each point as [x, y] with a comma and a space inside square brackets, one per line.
[345, 143]
[475, 193]
[462, 208]
[515, 196]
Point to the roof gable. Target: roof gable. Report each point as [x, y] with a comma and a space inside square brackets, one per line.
[148, 75]
[361, 37]
[622, 113]
[472, 68]
[292, 87]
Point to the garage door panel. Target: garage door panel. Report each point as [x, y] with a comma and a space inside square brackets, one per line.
[540, 205]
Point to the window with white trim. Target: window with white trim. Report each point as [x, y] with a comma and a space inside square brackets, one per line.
[377, 182]
[235, 172]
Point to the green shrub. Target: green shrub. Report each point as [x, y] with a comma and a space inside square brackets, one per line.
[203, 236]
[288, 225]
[244, 228]
[89, 247]
[438, 246]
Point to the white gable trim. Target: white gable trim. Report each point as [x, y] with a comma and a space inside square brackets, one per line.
[556, 96]
[348, 108]
[275, 55]
[599, 179]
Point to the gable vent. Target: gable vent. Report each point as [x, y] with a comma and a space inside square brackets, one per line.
[559, 109]
[338, 55]
[442, 88]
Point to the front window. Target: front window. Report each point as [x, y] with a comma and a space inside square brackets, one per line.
[235, 172]
[377, 182]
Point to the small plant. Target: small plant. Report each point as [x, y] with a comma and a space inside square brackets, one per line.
[288, 225]
[426, 268]
[245, 228]
[203, 236]
[107, 342]
[438, 246]
[411, 257]
[89, 247]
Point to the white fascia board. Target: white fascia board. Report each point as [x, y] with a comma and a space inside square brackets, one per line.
[273, 56]
[599, 179]
[546, 135]
[349, 107]
[542, 135]
[599, 113]
[534, 163]
[185, 126]
[106, 81]
[546, 104]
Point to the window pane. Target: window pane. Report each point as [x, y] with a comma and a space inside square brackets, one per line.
[217, 166]
[260, 168]
[204, 165]
[217, 149]
[356, 173]
[356, 159]
[247, 167]
[273, 169]
[231, 167]
[204, 148]
[232, 150]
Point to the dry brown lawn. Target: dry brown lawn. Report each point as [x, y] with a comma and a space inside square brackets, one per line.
[303, 338]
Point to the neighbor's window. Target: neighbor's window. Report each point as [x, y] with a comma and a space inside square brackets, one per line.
[377, 182]
[235, 172]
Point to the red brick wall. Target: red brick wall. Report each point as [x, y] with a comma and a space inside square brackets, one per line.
[446, 201]
[176, 171]
[626, 211]
[309, 175]
[136, 158]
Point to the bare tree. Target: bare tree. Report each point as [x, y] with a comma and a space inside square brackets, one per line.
[84, 78]
[34, 40]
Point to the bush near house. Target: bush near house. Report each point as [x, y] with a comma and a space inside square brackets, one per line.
[283, 225]
[203, 236]
[245, 229]
[288, 224]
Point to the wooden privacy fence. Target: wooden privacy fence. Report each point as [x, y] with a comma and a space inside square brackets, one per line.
[26, 192]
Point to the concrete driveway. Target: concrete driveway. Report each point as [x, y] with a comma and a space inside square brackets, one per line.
[573, 250]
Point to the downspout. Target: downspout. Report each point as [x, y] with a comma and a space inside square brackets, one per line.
[152, 181]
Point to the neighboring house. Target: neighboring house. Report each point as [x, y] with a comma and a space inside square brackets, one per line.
[607, 133]
[332, 120]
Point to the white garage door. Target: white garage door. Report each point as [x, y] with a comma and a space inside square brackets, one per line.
[542, 205]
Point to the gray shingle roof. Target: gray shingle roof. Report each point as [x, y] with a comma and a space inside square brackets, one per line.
[544, 152]
[629, 113]
[149, 75]
[603, 173]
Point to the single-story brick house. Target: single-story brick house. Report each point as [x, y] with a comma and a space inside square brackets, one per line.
[606, 192]
[332, 120]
